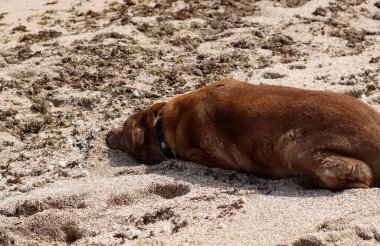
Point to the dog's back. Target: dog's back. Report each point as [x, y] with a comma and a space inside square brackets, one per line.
[268, 130]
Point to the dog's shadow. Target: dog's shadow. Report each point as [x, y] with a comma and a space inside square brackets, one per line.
[228, 180]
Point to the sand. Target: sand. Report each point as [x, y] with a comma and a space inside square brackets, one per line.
[71, 70]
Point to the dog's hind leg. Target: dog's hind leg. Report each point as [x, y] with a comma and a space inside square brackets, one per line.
[333, 171]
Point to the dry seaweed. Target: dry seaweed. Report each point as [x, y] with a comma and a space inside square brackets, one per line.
[292, 3]
[41, 36]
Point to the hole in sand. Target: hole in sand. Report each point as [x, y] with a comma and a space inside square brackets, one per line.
[169, 191]
[72, 233]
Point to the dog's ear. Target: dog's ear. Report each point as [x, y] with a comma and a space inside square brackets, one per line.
[138, 135]
[154, 113]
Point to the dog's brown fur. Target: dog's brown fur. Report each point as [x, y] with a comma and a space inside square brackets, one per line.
[271, 131]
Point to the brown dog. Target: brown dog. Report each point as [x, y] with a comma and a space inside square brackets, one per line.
[271, 131]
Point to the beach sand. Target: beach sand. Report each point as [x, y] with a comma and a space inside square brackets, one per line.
[70, 70]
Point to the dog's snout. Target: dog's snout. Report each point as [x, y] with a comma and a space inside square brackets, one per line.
[113, 138]
[109, 137]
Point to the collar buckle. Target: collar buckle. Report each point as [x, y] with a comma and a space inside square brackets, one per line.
[164, 146]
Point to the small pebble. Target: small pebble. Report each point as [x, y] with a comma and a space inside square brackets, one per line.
[49, 180]
[39, 184]
[81, 174]
[259, 34]
[166, 228]
[242, 200]
[136, 94]
[221, 225]
[79, 123]
[83, 145]
[25, 188]
[70, 140]
[133, 234]
[50, 167]
[62, 164]
[197, 72]
[320, 11]
[152, 233]
[111, 114]
[24, 172]
[120, 234]
[123, 103]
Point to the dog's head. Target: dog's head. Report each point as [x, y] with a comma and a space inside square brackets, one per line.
[138, 136]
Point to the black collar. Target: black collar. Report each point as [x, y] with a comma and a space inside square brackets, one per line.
[164, 146]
